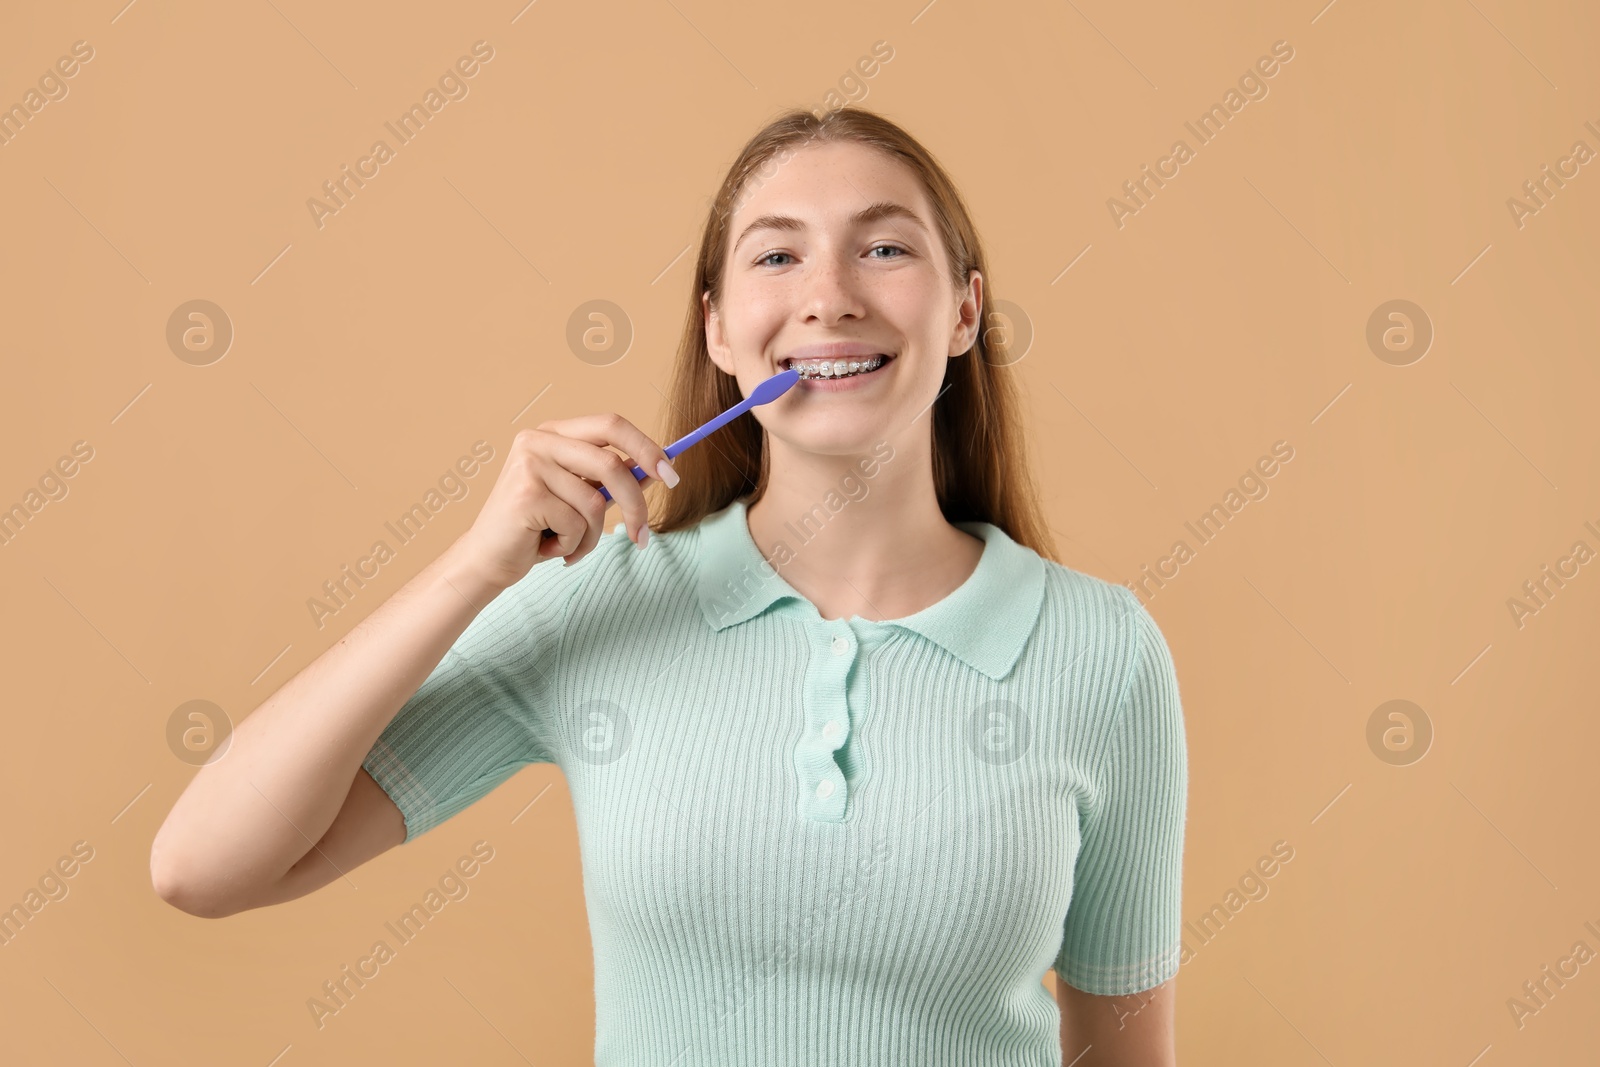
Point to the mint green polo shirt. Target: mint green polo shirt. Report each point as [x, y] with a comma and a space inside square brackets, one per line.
[826, 841]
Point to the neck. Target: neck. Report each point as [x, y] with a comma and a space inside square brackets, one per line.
[877, 546]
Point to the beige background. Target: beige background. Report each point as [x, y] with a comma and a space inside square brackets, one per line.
[1229, 313]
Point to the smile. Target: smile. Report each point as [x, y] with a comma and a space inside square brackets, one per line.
[824, 369]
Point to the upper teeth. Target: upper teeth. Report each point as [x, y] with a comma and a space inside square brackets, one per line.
[835, 368]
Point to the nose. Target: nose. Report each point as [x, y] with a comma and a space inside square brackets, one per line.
[831, 290]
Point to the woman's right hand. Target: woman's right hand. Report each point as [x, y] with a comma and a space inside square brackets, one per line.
[549, 482]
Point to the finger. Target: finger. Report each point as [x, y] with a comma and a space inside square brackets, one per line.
[566, 524]
[612, 429]
[583, 532]
[609, 469]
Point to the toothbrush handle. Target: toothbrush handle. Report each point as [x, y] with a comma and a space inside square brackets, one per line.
[671, 450]
[764, 393]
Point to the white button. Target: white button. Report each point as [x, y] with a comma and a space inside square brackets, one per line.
[825, 789]
[832, 729]
[840, 646]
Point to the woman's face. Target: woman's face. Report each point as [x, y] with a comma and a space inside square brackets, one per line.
[839, 247]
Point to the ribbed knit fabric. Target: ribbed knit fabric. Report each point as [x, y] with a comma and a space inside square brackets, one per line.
[820, 842]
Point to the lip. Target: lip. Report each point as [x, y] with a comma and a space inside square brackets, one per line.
[832, 350]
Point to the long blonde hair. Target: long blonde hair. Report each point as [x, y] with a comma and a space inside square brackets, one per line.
[980, 469]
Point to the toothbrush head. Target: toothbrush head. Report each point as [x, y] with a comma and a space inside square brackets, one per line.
[774, 387]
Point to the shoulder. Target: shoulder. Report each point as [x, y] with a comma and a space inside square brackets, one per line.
[1106, 668]
[618, 573]
[1096, 634]
[1081, 602]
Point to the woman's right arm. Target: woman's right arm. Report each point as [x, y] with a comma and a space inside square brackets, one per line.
[289, 808]
[250, 819]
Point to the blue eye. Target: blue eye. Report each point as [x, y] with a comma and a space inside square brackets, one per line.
[765, 261]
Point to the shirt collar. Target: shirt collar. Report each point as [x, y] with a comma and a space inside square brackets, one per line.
[985, 622]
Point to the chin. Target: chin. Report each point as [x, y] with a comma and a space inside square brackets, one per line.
[830, 438]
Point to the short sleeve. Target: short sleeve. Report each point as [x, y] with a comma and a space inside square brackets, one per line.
[1122, 932]
[484, 712]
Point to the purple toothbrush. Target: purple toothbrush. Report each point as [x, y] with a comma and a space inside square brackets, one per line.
[765, 393]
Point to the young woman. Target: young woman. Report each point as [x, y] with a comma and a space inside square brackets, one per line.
[854, 760]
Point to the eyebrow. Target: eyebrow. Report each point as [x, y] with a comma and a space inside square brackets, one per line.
[882, 209]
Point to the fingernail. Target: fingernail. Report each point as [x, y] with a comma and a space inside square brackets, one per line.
[644, 536]
[668, 475]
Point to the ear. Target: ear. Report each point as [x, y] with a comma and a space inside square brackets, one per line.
[716, 337]
[964, 334]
